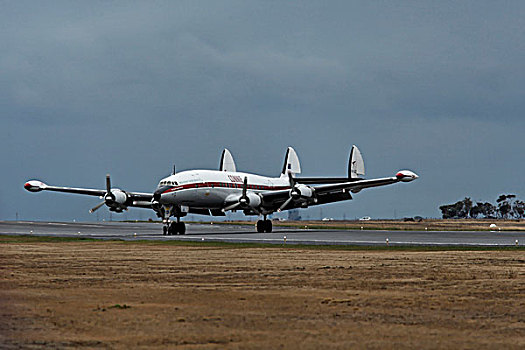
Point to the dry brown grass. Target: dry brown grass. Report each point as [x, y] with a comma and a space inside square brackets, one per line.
[73, 295]
[430, 224]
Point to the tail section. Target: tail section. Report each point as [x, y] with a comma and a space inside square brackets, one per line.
[356, 165]
[227, 163]
[291, 163]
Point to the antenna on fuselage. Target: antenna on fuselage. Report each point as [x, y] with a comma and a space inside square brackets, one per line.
[173, 173]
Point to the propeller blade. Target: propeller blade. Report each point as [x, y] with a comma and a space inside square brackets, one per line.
[231, 207]
[108, 184]
[245, 186]
[92, 210]
[285, 204]
[108, 187]
[291, 179]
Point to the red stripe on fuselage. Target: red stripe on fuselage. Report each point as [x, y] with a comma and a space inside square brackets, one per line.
[224, 185]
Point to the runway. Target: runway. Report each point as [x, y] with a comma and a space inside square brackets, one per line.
[247, 234]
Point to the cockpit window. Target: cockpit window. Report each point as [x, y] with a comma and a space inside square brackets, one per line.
[168, 183]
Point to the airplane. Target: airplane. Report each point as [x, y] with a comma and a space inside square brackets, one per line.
[214, 192]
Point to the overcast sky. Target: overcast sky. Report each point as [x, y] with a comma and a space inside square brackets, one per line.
[131, 88]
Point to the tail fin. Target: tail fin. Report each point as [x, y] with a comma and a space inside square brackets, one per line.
[227, 163]
[291, 163]
[356, 165]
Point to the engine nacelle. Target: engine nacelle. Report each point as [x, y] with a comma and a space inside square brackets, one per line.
[116, 196]
[253, 200]
[301, 191]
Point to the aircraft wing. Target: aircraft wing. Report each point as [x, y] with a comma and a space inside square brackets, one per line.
[113, 196]
[329, 193]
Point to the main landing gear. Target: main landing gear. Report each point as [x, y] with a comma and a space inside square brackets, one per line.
[264, 226]
[175, 228]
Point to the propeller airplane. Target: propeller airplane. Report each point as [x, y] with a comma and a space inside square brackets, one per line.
[214, 192]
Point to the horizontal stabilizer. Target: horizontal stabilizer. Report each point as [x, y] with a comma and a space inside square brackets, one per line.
[227, 163]
[356, 171]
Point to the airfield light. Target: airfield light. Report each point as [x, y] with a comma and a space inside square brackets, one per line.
[387, 241]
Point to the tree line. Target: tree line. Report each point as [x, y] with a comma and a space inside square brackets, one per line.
[507, 207]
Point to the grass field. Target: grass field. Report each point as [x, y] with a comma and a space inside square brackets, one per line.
[60, 293]
[425, 224]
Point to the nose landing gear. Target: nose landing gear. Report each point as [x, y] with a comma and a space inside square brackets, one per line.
[174, 228]
[177, 228]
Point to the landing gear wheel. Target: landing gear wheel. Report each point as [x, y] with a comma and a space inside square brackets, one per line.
[181, 228]
[173, 229]
[260, 226]
[268, 226]
[165, 230]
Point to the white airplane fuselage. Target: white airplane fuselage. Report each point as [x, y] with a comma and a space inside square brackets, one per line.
[212, 188]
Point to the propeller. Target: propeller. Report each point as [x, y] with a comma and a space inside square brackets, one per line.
[110, 197]
[291, 198]
[231, 207]
[92, 210]
[244, 200]
[107, 196]
[296, 192]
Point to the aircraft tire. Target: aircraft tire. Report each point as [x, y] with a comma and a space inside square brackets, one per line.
[260, 226]
[172, 230]
[268, 226]
[164, 230]
[181, 229]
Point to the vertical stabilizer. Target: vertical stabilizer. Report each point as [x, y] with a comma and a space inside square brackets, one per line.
[227, 163]
[291, 163]
[356, 165]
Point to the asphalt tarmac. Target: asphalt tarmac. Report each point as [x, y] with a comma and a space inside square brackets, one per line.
[247, 234]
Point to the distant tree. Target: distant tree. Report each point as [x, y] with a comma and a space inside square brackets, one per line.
[505, 204]
[487, 210]
[504, 197]
[466, 207]
[518, 209]
[508, 206]
[448, 211]
[475, 211]
[458, 210]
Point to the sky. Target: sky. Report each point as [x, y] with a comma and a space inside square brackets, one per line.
[132, 87]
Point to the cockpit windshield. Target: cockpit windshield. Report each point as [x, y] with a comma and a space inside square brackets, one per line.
[168, 183]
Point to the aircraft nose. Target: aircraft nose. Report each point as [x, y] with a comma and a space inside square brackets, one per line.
[157, 194]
